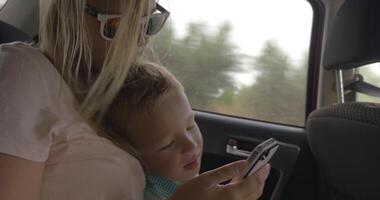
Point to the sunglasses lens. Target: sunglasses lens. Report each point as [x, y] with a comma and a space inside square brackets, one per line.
[156, 22]
[110, 27]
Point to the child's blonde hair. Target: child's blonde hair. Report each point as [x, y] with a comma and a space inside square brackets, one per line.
[64, 37]
[145, 84]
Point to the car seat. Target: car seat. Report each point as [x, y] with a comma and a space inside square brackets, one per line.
[345, 137]
[9, 33]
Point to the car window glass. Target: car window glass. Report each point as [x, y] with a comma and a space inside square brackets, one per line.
[370, 74]
[246, 59]
[2, 3]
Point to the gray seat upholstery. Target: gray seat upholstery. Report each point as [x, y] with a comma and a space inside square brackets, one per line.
[345, 140]
[9, 33]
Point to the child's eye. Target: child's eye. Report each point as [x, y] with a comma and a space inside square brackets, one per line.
[167, 146]
[190, 128]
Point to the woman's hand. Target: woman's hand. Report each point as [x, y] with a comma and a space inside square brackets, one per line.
[207, 186]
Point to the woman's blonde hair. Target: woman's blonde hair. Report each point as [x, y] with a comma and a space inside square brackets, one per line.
[64, 38]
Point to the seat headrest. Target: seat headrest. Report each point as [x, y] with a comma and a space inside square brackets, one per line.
[354, 39]
[9, 33]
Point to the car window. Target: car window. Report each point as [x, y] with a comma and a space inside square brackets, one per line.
[371, 74]
[2, 3]
[247, 59]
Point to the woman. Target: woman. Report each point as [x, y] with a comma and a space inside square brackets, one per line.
[52, 98]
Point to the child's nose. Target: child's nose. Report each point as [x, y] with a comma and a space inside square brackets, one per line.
[189, 145]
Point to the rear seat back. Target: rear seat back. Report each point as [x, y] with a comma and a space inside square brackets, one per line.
[9, 33]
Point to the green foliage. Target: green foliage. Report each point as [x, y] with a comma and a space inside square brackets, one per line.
[201, 62]
[276, 95]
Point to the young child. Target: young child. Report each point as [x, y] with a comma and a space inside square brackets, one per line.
[152, 114]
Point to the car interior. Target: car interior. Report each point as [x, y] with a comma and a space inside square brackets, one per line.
[332, 153]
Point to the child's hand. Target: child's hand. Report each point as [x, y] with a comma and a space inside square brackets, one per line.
[207, 185]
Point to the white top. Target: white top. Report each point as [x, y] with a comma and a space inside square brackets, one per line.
[39, 122]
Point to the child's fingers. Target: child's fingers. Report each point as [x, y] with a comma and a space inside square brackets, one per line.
[252, 186]
[223, 173]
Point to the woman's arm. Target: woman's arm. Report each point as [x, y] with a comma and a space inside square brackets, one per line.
[20, 179]
[207, 186]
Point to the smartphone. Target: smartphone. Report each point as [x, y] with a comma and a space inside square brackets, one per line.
[260, 156]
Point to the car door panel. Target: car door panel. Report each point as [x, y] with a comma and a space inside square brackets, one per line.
[292, 174]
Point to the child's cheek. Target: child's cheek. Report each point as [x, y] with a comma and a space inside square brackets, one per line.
[163, 164]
